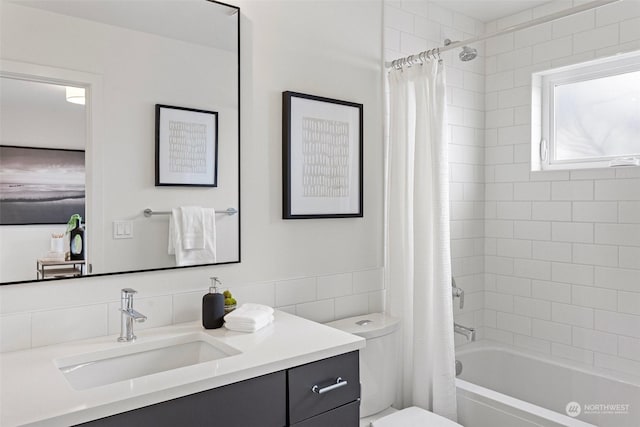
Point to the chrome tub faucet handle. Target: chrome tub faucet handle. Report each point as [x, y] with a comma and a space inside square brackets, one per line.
[457, 292]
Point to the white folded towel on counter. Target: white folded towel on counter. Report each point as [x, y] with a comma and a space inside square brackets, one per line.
[249, 318]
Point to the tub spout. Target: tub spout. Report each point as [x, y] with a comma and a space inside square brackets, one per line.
[469, 333]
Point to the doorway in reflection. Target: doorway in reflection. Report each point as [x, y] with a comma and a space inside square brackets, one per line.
[42, 176]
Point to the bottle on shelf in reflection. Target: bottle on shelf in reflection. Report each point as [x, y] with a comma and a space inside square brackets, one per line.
[76, 238]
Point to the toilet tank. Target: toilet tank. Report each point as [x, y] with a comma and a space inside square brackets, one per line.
[378, 360]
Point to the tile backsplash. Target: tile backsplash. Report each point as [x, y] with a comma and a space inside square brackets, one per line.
[322, 299]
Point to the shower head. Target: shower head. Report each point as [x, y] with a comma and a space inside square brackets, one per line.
[468, 53]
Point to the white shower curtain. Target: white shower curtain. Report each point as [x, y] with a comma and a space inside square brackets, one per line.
[417, 248]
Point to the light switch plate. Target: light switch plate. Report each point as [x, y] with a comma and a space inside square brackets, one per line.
[122, 229]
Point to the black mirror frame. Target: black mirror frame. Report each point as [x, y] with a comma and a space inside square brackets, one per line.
[55, 279]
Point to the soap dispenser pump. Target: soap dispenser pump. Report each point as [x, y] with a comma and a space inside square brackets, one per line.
[213, 307]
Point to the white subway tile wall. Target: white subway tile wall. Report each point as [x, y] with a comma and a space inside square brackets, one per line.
[15, 332]
[322, 299]
[584, 262]
[561, 249]
[74, 323]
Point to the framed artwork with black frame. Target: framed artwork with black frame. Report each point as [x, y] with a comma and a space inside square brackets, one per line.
[322, 163]
[186, 147]
[41, 185]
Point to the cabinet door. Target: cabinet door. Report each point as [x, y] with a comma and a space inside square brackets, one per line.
[305, 403]
[259, 401]
[344, 416]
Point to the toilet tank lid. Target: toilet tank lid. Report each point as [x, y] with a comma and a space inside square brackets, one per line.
[368, 325]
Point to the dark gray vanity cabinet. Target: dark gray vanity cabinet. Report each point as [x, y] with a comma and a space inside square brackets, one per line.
[260, 401]
[284, 398]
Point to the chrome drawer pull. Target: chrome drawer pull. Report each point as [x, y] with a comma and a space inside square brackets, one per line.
[339, 383]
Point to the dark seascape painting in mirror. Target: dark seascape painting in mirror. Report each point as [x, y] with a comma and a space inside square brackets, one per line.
[41, 185]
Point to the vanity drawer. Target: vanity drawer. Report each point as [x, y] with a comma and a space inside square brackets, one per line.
[345, 416]
[305, 403]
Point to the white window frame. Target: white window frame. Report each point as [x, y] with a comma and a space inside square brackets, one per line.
[543, 111]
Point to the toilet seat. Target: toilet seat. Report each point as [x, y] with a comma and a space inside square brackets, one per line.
[414, 417]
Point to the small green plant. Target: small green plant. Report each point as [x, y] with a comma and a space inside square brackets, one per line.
[73, 222]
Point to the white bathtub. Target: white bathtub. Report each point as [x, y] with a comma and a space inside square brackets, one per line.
[503, 387]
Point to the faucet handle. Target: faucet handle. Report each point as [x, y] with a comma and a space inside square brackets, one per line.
[128, 291]
[457, 292]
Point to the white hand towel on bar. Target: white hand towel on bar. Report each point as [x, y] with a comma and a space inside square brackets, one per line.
[192, 226]
[206, 255]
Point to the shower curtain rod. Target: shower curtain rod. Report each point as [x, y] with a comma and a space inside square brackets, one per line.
[413, 59]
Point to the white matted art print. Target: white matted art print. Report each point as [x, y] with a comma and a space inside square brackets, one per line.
[322, 157]
[186, 146]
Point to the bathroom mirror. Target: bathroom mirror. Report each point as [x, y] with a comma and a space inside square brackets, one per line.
[126, 57]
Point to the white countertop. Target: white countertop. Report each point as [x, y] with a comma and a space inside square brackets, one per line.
[33, 391]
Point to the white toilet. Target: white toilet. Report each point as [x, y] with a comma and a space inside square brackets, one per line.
[378, 373]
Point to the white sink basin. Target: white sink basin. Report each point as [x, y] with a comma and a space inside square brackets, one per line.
[132, 360]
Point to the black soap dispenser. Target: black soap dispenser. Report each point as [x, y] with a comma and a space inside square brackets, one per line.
[213, 307]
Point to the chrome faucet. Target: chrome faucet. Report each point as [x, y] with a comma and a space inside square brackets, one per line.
[468, 332]
[128, 315]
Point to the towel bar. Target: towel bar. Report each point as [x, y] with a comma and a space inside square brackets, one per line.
[148, 212]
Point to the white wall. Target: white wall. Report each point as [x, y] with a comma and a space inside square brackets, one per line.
[412, 27]
[563, 248]
[27, 121]
[320, 269]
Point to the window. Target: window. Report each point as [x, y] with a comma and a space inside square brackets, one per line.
[587, 115]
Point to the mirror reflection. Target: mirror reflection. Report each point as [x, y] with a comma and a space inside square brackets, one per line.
[96, 162]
